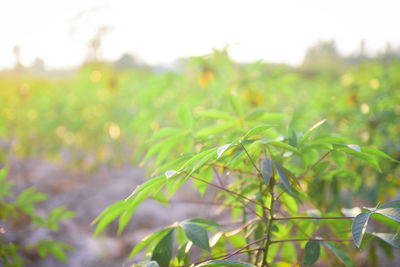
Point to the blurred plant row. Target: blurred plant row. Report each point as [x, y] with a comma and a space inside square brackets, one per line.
[106, 117]
[103, 116]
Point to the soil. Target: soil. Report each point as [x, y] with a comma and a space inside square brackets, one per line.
[88, 194]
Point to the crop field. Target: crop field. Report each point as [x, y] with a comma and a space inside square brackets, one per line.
[297, 167]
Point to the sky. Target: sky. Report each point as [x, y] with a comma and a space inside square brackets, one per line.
[160, 31]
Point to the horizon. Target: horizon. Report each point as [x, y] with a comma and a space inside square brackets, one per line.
[60, 33]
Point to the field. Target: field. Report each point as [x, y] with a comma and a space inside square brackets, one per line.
[102, 118]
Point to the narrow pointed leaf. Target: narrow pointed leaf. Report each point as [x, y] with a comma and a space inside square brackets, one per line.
[267, 170]
[376, 152]
[108, 218]
[215, 129]
[170, 173]
[354, 152]
[237, 105]
[392, 213]
[282, 145]
[282, 175]
[292, 138]
[162, 252]
[358, 227]
[185, 117]
[203, 222]
[256, 131]
[310, 131]
[216, 114]
[146, 241]
[392, 239]
[342, 256]
[355, 147]
[222, 149]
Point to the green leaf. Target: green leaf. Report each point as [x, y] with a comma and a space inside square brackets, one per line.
[292, 137]
[58, 253]
[392, 204]
[215, 114]
[202, 161]
[181, 253]
[109, 217]
[392, 213]
[354, 151]
[224, 263]
[206, 174]
[153, 183]
[107, 210]
[197, 234]
[339, 158]
[203, 222]
[162, 252]
[237, 105]
[145, 241]
[358, 227]
[168, 131]
[222, 149]
[215, 129]
[256, 131]
[54, 247]
[392, 239]
[185, 117]
[376, 152]
[355, 147]
[284, 175]
[311, 253]
[170, 173]
[282, 145]
[160, 146]
[198, 157]
[127, 214]
[310, 131]
[27, 198]
[133, 203]
[342, 256]
[267, 170]
[56, 215]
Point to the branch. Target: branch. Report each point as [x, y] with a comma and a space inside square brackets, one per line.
[312, 218]
[248, 155]
[311, 239]
[315, 163]
[227, 190]
[248, 245]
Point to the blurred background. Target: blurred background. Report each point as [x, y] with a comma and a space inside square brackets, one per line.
[85, 84]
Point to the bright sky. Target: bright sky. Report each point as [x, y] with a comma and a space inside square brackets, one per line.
[161, 31]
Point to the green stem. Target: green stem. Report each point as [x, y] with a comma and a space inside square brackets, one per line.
[270, 221]
[313, 218]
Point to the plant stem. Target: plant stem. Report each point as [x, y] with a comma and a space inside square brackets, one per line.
[248, 245]
[313, 218]
[252, 161]
[227, 190]
[311, 239]
[315, 163]
[269, 226]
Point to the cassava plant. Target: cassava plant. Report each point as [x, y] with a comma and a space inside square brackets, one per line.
[290, 194]
[17, 212]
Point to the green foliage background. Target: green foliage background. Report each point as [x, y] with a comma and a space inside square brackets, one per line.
[106, 117]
